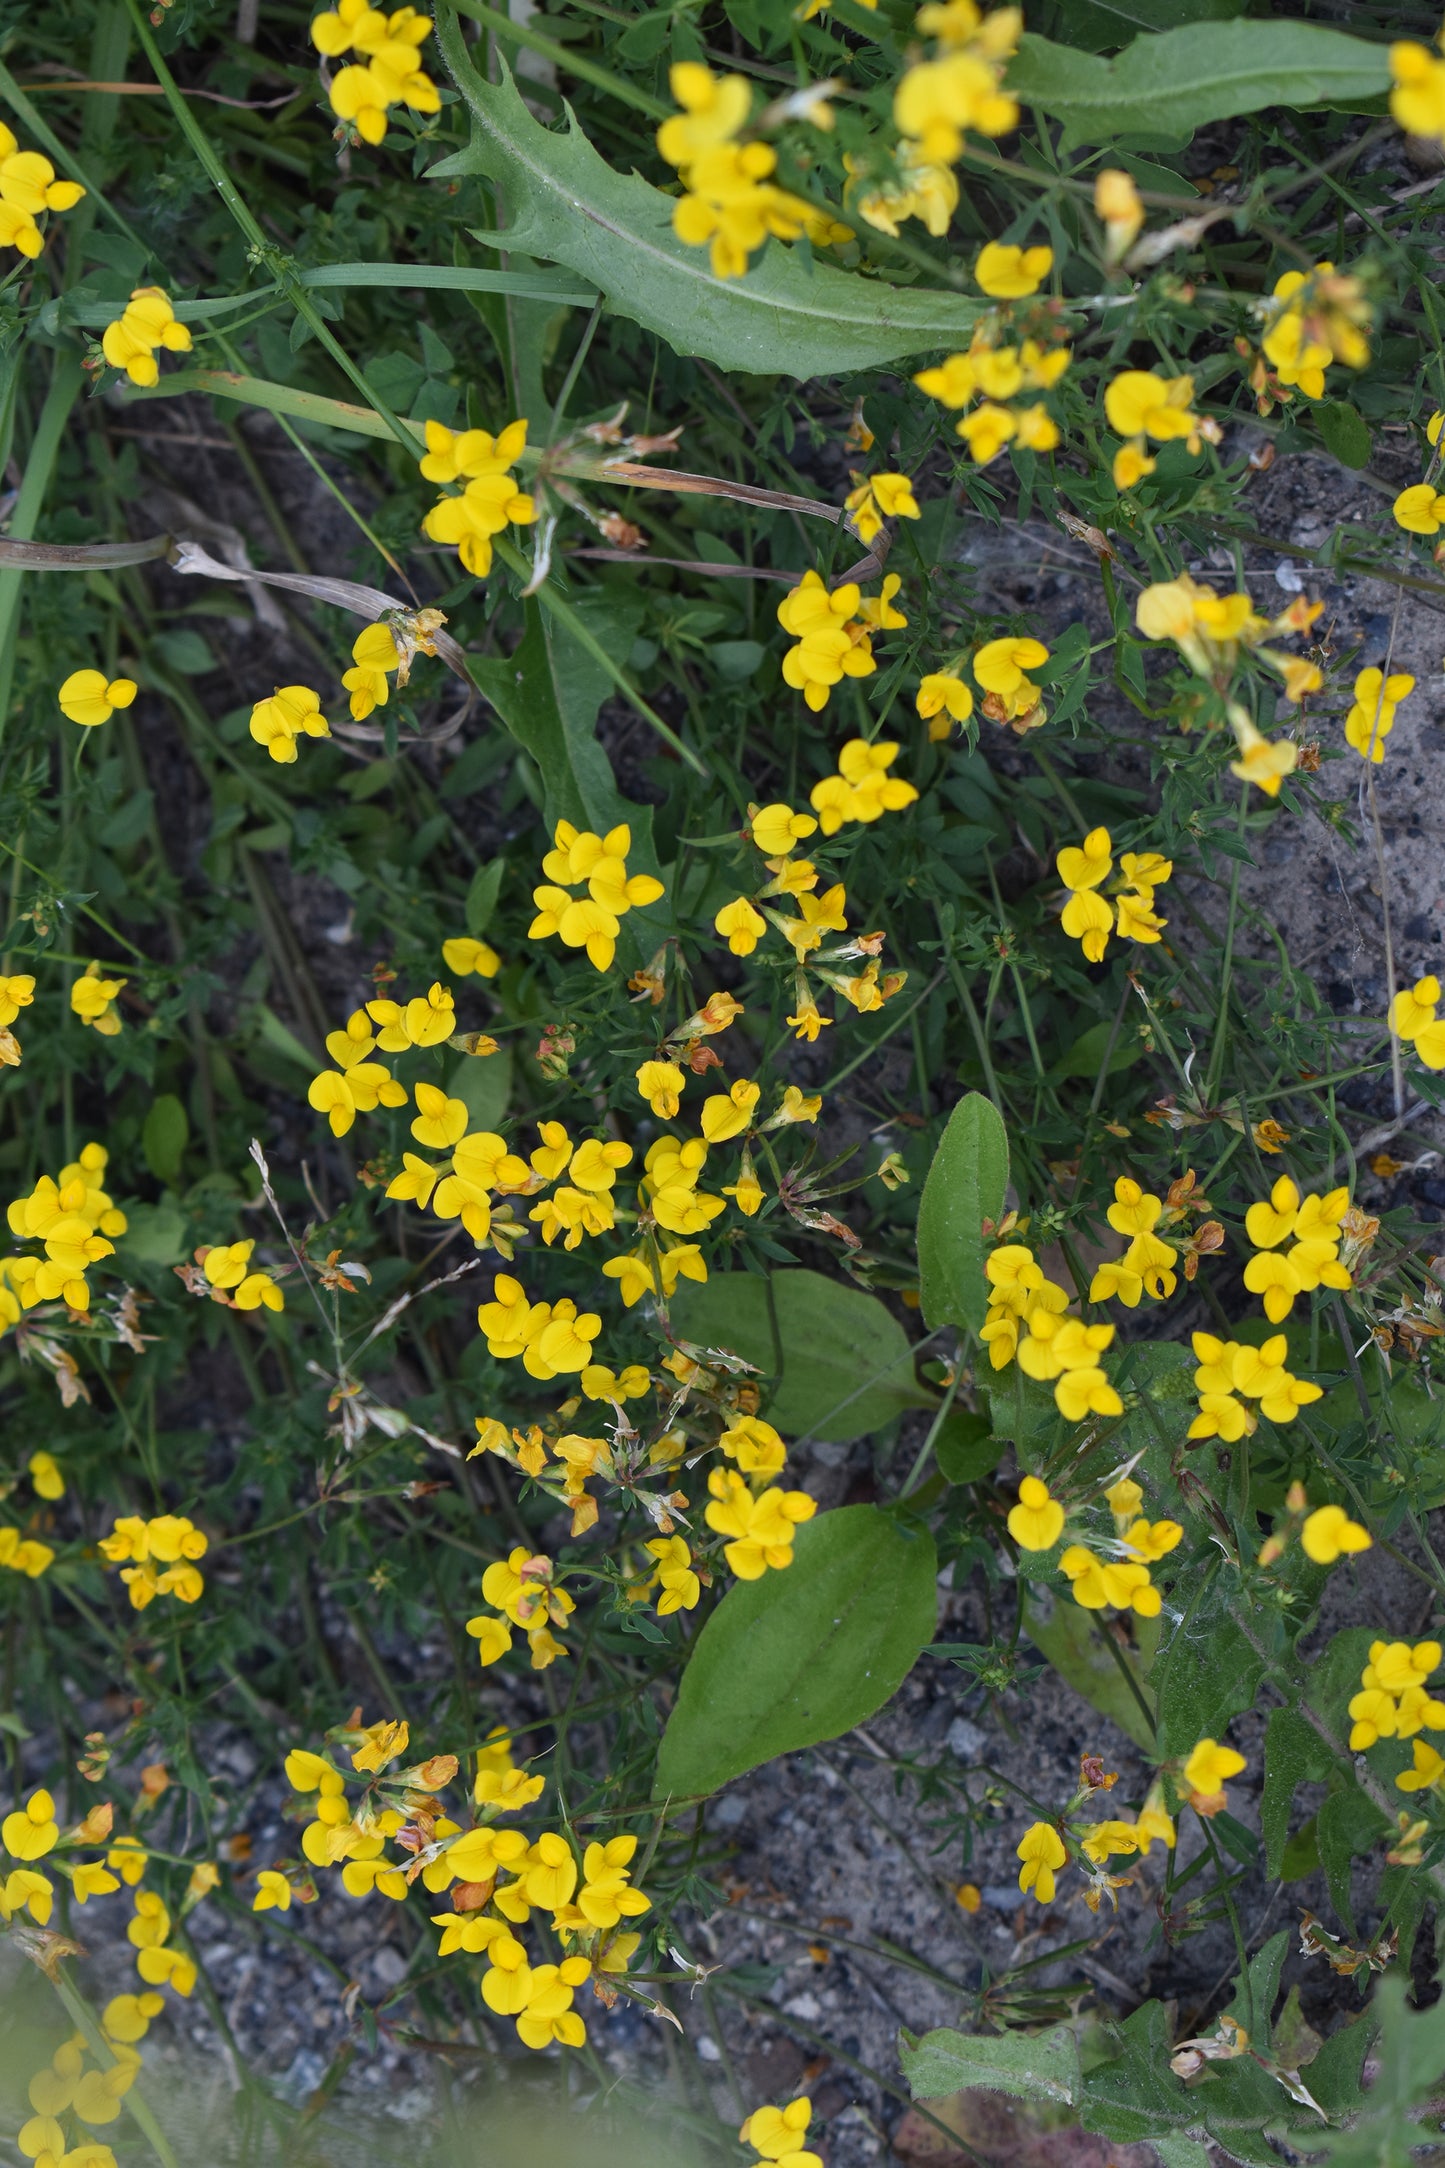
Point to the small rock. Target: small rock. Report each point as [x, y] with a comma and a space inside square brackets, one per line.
[388, 1966]
[806, 2007]
[708, 2050]
[1002, 1900]
[301, 2080]
[965, 1739]
[1288, 577]
[730, 1812]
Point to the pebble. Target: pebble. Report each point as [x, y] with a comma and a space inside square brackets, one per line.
[965, 1739]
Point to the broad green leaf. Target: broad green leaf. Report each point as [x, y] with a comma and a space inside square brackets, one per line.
[1179, 2152]
[966, 1185]
[1072, 1640]
[842, 1363]
[164, 1137]
[788, 316]
[1347, 1826]
[1031, 2066]
[483, 1082]
[1101, 26]
[1294, 1754]
[1169, 85]
[155, 1234]
[1345, 432]
[1256, 1993]
[1086, 1056]
[803, 1654]
[965, 1448]
[1209, 1668]
[482, 892]
[1410, 2051]
[1136, 2095]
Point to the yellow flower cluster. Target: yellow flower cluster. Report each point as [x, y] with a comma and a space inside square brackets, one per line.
[490, 498]
[1394, 1701]
[1412, 1018]
[17, 992]
[862, 790]
[778, 2134]
[590, 922]
[833, 632]
[1315, 317]
[1313, 1258]
[914, 189]
[291, 712]
[169, 1540]
[876, 497]
[27, 187]
[1009, 694]
[146, 326]
[587, 1908]
[1088, 918]
[551, 1338]
[1140, 404]
[1146, 1267]
[387, 74]
[1042, 1850]
[959, 90]
[93, 999]
[1372, 717]
[1227, 1369]
[760, 1526]
[157, 1962]
[73, 1219]
[1210, 631]
[227, 1269]
[359, 1085]
[1027, 1320]
[88, 697]
[994, 374]
[1417, 100]
[93, 2096]
[730, 203]
[521, 1589]
[1098, 1583]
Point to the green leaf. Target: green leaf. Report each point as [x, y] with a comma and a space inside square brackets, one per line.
[1343, 429]
[1099, 26]
[1169, 85]
[803, 1654]
[1068, 1636]
[1136, 2095]
[482, 892]
[1208, 1669]
[164, 1137]
[965, 1448]
[1294, 1754]
[843, 1364]
[155, 1234]
[1086, 1056]
[1411, 2055]
[966, 1185]
[1347, 1826]
[1256, 1993]
[1031, 2066]
[788, 315]
[548, 692]
[483, 1082]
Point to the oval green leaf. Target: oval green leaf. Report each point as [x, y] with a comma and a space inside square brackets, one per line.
[843, 1364]
[966, 1185]
[804, 1654]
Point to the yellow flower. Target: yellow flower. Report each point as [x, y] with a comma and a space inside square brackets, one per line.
[661, 1084]
[1329, 1534]
[922, 190]
[1265, 762]
[1008, 273]
[147, 325]
[878, 497]
[1420, 509]
[1139, 403]
[46, 1476]
[727, 1114]
[776, 828]
[1041, 1849]
[999, 667]
[714, 108]
[92, 999]
[88, 698]
[943, 694]
[778, 2133]
[291, 711]
[762, 1529]
[1417, 100]
[463, 955]
[830, 645]
[937, 100]
[1209, 1768]
[273, 1892]
[1427, 1773]
[1037, 1521]
[740, 925]
[1117, 206]
[1372, 717]
[32, 1830]
[373, 653]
